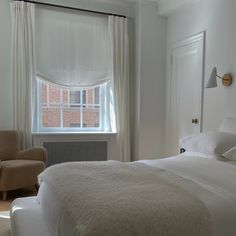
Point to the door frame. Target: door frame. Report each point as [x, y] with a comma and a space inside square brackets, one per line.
[181, 43]
[185, 42]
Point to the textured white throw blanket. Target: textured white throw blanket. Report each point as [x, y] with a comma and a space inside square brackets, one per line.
[125, 199]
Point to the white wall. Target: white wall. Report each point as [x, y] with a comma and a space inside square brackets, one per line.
[166, 7]
[148, 113]
[5, 64]
[115, 7]
[6, 91]
[217, 18]
[150, 82]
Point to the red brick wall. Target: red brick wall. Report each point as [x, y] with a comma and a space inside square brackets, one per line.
[52, 112]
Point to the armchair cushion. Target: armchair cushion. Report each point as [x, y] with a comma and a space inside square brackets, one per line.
[8, 144]
[16, 174]
[7, 153]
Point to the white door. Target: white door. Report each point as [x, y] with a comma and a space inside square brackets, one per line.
[186, 89]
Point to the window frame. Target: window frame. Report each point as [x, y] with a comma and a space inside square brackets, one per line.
[38, 128]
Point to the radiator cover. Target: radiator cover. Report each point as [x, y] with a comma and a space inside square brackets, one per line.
[59, 152]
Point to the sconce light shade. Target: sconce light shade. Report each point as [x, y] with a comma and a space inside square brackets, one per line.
[226, 79]
[212, 83]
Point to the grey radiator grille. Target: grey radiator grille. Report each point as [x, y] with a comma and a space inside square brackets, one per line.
[59, 152]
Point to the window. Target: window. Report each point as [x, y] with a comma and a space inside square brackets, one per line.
[75, 98]
[96, 96]
[62, 109]
[75, 63]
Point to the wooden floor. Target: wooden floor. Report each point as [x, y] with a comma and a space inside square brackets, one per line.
[26, 192]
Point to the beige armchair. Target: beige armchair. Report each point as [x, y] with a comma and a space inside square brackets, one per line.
[18, 169]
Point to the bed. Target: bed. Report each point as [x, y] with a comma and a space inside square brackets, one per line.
[189, 194]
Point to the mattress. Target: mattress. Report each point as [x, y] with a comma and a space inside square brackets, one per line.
[213, 182]
[27, 218]
[55, 215]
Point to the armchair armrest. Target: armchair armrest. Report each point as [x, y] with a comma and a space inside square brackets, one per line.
[34, 154]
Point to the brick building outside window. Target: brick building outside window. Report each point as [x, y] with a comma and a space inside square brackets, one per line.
[63, 108]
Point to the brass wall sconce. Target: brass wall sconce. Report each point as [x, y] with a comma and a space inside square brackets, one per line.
[226, 79]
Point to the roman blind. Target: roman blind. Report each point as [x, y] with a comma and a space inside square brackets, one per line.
[72, 48]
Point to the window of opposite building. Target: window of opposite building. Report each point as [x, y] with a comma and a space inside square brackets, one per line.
[63, 109]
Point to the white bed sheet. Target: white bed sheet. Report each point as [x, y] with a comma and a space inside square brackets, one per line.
[211, 181]
[55, 215]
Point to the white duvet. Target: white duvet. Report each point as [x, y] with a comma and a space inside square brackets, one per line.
[212, 182]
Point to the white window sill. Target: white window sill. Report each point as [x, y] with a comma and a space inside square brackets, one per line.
[74, 133]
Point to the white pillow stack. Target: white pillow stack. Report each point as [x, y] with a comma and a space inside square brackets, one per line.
[230, 154]
[211, 144]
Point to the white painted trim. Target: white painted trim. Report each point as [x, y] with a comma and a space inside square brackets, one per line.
[181, 43]
[168, 7]
[169, 86]
[189, 40]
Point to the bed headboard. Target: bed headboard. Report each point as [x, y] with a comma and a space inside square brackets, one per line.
[228, 125]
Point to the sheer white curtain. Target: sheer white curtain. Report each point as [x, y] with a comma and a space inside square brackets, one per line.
[23, 67]
[72, 47]
[118, 34]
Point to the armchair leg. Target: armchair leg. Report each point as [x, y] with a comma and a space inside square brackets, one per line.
[4, 195]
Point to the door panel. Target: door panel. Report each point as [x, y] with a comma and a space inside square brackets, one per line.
[186, 89]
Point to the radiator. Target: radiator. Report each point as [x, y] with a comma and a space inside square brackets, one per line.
[61, 151]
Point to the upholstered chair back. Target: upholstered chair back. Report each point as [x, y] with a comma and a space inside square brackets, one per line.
[8, 145]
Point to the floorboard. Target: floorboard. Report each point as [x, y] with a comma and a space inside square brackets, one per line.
[11, 195]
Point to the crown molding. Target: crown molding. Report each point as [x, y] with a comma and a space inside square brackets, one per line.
[166, 7]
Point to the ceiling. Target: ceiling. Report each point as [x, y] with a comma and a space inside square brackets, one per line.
[168, 6]
[165, 6]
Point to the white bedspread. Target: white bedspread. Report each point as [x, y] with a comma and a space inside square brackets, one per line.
[210, 181]
[125, 199]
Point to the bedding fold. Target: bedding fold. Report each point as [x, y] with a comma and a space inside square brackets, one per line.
[124, 199]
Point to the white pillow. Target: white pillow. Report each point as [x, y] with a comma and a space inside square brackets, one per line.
[230, 154]
[228, 125]
[199, 154]
[209, 142]
[204, 155]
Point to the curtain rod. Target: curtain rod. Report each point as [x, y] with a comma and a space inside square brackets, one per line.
[72, 8]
